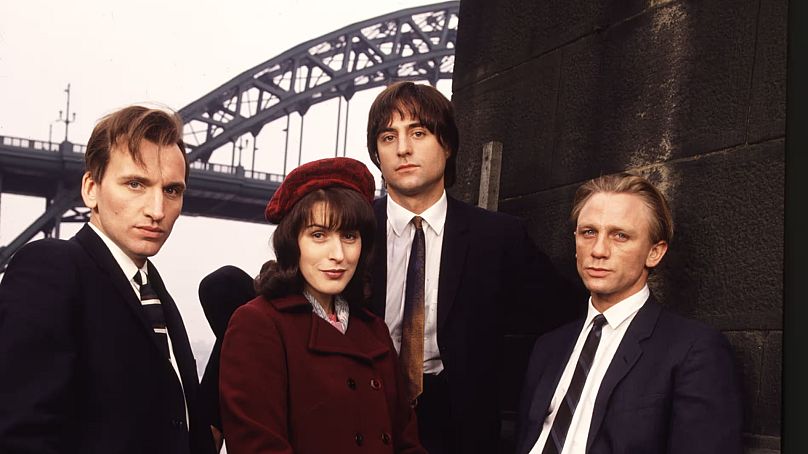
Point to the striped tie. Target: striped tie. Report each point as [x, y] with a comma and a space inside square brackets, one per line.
[154, 312]
[561, 424]
[412, 325]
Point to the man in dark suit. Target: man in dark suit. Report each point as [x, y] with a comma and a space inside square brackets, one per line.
[93, 351]
[631, 377]
[471, 268]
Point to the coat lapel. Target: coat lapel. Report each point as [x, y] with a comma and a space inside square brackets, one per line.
[379, 265]
[453, 256]
[626, 356]
[357, 342]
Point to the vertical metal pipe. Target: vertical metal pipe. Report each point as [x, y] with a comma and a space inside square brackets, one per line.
[286, 147]
[345, 135]
[255, 148]
[300, 144]
[339, 115]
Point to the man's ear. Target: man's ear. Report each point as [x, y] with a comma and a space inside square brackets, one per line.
[89, 189]
[655, 254]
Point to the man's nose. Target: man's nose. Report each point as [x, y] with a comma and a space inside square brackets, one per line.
[154, 204]
[404, 146]
[601, 247]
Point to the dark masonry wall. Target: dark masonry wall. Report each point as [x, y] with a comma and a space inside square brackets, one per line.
[691, 94]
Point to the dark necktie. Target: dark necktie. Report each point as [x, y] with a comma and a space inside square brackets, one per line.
[154, 313]
[561, 424]
[412, 326]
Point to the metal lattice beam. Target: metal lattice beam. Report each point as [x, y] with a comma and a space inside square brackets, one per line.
[415, 44]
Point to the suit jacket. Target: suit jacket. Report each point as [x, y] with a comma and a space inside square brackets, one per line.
[490, 271]
[672, 387]
[292, 383]
[81, 369]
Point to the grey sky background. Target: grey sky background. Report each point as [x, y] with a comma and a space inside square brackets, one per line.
[116, 53]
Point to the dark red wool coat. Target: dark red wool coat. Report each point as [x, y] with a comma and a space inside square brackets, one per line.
[291, 383]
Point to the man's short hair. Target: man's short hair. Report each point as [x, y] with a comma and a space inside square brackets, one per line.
[128, 127]
[423, 103]
[661, 228]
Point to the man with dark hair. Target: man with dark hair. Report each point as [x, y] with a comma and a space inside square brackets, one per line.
[93, 351]
[445, 272]
[631, 377]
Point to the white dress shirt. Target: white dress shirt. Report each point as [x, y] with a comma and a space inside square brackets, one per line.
[129, 268]
[618, 319]
[400, 232]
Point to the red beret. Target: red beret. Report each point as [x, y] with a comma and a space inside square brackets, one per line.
[323, 173]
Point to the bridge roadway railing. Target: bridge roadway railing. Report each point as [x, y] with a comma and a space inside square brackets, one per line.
[21, 143]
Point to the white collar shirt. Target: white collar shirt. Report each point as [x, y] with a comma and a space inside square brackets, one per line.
[129, 269]
[618, 319]
[400, 233]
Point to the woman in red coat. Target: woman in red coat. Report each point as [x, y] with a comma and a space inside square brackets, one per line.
[305, 368]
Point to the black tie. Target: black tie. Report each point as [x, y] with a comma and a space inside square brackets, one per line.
[561, 424]
[154, 313]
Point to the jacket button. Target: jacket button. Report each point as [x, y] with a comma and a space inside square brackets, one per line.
[358, 438]
[375, 384]
[385, 438]
[351, 383]
[178, 423]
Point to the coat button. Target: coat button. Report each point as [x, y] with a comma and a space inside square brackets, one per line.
[385, 438]
[358, 438]
[375, 384]
[351, 383]
[178, 423]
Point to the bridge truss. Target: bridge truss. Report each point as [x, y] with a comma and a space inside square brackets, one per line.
[412, 44]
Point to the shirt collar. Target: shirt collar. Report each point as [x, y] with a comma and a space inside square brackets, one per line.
[127, 265]
[434, 216]
[620, 312]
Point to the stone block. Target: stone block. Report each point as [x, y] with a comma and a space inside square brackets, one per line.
[767, 112]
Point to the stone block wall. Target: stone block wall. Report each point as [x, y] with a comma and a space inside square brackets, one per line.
[690, 93]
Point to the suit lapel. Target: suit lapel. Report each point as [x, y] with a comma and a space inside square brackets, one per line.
[107, 264]
[548, 382]
[180, 345]
[453, 256]
[627, 354]
[379, 265]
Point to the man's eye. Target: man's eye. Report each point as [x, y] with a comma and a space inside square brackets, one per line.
[387, 138]
[173, 190]
[621, 236]
[318, 234]
[587, 233]
[350, 236]
[419, 134]
[134, 184]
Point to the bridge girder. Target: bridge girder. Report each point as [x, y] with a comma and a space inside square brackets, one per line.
[412, 44]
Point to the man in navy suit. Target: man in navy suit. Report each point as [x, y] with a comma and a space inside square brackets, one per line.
[93, 351]
[631, 377]
[480, 267]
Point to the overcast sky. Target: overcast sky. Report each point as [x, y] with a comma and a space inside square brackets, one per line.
[116, 53]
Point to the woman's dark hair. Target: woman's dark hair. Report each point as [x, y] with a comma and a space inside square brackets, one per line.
[345, 210]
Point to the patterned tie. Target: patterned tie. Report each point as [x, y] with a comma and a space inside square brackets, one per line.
[561, 424]
[412, 327]
[154, 312]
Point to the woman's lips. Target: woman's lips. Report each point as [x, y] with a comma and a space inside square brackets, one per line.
[334, 274]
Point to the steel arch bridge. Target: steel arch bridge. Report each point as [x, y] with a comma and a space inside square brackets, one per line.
[412, 44]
